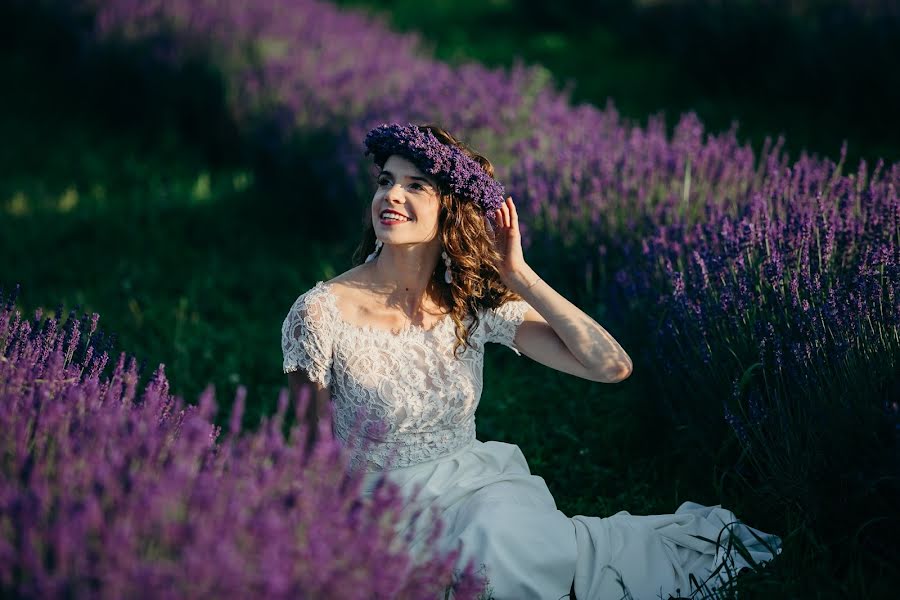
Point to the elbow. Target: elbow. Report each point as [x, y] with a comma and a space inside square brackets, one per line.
[616, 371]
[621, 375]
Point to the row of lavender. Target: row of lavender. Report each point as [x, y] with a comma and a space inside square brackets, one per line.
[108, 493]
[591, 176]
[802, 249]
[768, 290]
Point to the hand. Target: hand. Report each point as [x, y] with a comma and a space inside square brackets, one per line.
[508, 243]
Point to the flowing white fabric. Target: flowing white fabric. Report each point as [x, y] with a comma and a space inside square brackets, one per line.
[417, 404]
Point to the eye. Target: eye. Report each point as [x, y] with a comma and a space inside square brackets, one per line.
[419, 185]
[383, 180]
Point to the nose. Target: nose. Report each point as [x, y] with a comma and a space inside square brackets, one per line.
[395, 193]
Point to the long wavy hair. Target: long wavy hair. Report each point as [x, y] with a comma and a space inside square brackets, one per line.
[468, 241]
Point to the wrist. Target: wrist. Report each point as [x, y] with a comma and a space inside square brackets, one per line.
[524, 280]
[533, 283]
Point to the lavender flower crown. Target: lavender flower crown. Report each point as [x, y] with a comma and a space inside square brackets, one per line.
[448, 165]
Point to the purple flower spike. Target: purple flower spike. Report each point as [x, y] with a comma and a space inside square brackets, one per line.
[134, 498]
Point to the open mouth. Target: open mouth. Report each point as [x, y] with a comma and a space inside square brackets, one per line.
[392, 218]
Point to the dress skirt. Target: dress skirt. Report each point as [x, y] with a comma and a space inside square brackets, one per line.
[507, 521]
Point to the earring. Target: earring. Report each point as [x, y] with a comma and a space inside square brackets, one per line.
[447, 276]
[378, 245]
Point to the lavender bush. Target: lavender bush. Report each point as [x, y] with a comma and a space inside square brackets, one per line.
[110, 493]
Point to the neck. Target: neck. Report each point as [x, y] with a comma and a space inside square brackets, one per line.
[404, 273]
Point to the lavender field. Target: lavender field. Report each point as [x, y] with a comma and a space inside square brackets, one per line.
[757, 292]
[115, 494]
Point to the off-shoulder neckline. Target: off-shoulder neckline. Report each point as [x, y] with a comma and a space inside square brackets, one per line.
[410, 329]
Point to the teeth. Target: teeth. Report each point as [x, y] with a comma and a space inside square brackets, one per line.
[393, 217]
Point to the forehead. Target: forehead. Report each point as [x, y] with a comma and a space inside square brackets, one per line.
[402, 168]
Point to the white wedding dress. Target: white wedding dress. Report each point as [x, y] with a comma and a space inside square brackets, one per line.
[417, 404]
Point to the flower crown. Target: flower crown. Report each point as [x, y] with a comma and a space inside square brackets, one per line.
[452, 169]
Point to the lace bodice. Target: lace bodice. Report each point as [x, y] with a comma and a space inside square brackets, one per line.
[413, 397]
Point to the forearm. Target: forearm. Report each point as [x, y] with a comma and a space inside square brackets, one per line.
[586, 339]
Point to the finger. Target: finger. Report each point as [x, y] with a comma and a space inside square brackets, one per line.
[514, 213]
[507, 220]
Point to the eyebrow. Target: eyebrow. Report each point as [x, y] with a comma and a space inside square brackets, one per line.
[384, 172]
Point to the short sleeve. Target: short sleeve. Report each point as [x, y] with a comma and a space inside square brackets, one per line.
[502, 322]
[306, 338]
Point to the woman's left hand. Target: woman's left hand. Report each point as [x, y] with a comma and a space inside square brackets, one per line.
[508, 243]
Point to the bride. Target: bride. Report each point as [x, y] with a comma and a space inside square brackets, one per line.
[396, 346]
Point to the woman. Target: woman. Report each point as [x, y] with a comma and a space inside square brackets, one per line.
[396, 345]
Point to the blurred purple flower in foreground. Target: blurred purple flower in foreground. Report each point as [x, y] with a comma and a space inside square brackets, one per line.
[108, 493]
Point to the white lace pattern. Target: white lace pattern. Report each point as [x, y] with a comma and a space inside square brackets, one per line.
[415, 400]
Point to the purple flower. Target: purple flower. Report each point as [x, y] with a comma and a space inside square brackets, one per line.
[453, 170]
[111, 497]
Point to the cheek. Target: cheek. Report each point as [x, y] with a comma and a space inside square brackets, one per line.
[435, 209]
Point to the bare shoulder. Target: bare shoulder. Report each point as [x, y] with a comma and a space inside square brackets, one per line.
[354, 275]
[348, 285]
[352, 295]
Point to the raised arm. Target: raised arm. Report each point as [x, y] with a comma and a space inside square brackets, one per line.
[555, 332]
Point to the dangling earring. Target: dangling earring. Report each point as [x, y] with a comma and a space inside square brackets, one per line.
[447, 276]
[378, 245]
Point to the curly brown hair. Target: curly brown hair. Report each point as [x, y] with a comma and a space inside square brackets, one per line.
[468, 241]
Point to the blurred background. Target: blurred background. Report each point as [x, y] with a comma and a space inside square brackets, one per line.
[819, 72]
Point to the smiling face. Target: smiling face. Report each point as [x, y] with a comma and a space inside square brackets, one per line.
[406, 204]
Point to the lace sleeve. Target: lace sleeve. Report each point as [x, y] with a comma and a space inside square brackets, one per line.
[501, 323]
[306, 338]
